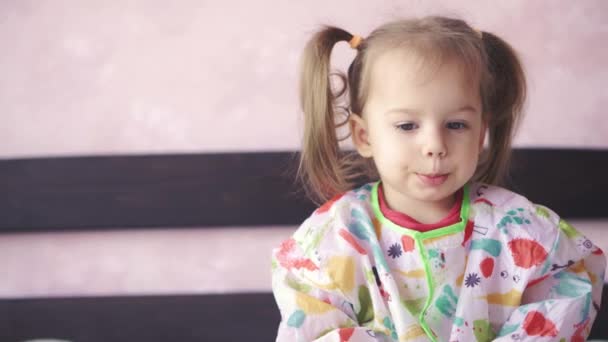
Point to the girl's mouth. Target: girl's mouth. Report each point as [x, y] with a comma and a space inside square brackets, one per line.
[433, 179]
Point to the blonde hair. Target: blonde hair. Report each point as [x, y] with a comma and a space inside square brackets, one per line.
[485, 58]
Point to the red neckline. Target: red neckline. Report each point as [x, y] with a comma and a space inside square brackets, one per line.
[407, 221]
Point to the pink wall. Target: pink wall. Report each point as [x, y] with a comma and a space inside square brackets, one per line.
[118, 77]
[98, 77]
[154, 261]
[138, 262]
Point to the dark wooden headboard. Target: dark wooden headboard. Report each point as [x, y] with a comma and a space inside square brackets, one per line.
[205, 190]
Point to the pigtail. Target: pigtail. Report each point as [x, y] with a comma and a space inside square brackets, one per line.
[504, 105]
[321, 169]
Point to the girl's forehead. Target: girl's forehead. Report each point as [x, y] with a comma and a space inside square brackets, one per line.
[401, 79]
[400, 61]
[415, 72]
[418, 69]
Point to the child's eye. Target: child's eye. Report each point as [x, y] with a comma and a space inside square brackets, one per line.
[406, 126]
[457, 125]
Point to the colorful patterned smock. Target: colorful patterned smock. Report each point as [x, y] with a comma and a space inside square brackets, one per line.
[509, 270]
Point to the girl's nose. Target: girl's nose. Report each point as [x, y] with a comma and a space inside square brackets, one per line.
[434, 145]
[439, 154]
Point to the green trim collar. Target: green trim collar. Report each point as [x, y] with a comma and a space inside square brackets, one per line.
[454, 228]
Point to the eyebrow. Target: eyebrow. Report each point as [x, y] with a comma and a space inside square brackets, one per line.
[466, 108]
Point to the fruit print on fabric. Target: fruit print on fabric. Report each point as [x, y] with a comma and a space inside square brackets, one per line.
[412, 332]
[542, 212]
[483, 330]
[348, 237]
[437, 257]
[568, 229]
[446, 303]
[297, 285]
[377, 227]
[361, 227]
[513, 217]
[535, 324]
[345, 334]
[408, 243]
[582, 330]
[414, 306]
[341, 269]
[388, 323]
[468, 232]
[366, 312]
[570, 285]
[287, 247]
[527, 253]
[487, 267]
[312, 306]
[508, 329]
[417, 273]
[296, 319]
[573, 286]
[510, 298]
[363, 192]
[483, 285]
[491, 246]
[458, 329]
[325, 207]
[313, 236]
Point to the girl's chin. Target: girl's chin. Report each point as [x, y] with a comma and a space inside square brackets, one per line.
[434, 194]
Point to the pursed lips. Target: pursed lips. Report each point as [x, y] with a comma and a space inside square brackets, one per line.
[433, 179]
[433, 175]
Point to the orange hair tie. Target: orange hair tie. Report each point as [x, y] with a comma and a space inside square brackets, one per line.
[355, 41]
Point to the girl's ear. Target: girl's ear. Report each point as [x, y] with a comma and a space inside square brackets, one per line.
[360, 135]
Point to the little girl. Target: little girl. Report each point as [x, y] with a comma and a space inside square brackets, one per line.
[432, 251]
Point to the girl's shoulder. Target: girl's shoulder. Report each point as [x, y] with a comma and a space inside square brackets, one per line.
[343, 204]
[529, 229]
[324, 226]
[497, 197]
[513, 213]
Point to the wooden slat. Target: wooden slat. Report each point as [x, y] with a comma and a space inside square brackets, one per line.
[230, 317]
[238, 189]
[234, 317]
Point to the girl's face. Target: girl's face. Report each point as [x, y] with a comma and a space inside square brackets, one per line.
[423, 130]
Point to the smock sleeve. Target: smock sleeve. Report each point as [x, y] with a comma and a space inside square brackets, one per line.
[561, 301]
[311, 304]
